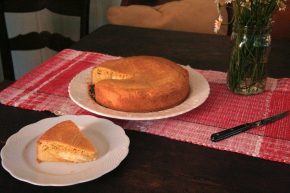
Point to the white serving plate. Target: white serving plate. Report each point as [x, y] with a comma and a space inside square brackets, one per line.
[78, 92]
[19, 153]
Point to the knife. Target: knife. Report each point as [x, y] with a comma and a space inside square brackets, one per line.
[244, 127]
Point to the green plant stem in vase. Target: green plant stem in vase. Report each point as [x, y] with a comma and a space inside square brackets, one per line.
[251, 34]
[247, 71]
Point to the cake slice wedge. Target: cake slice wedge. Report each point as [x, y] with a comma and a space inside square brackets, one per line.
[64, 142]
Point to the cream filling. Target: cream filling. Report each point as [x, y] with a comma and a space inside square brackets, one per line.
[73, 157]
[56, 152]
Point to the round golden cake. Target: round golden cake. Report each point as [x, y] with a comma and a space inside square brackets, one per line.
[140, 84]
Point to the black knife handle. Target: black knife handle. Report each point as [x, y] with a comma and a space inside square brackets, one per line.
[230, 132]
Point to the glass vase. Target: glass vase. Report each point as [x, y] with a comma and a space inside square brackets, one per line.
[247, 72]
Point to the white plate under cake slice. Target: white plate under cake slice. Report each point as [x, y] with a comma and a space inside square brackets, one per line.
[19, 153]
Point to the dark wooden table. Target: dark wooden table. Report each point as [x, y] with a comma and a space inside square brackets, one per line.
[158, 164]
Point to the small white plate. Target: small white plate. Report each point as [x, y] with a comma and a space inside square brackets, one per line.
[19, 153]
[78, 92]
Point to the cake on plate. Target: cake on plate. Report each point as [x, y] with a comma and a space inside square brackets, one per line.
[64, 142]
[140, 84]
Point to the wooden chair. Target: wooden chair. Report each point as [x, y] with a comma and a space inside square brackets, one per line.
[38, 40]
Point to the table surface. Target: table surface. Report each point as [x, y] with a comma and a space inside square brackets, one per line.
[158, 164]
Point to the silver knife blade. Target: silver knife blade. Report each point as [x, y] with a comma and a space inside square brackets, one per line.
[244, 127]
[271, 119]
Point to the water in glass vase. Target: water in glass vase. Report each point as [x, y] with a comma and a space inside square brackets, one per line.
[247, 71]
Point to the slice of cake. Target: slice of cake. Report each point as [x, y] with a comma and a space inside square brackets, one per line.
[64, 142]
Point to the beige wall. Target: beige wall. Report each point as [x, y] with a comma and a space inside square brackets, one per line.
[45, 20]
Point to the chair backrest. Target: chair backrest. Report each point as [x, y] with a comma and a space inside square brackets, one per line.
[144, 2]
[177, 15]
[38, 40]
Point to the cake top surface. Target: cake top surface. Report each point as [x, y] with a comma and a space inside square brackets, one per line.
[140, 83]
[67, 132]
[139, 71]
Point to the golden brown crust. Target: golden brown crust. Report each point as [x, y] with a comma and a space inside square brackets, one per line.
[65, 142]
[152, 84]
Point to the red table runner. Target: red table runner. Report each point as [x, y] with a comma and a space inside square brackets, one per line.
[45, 88]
